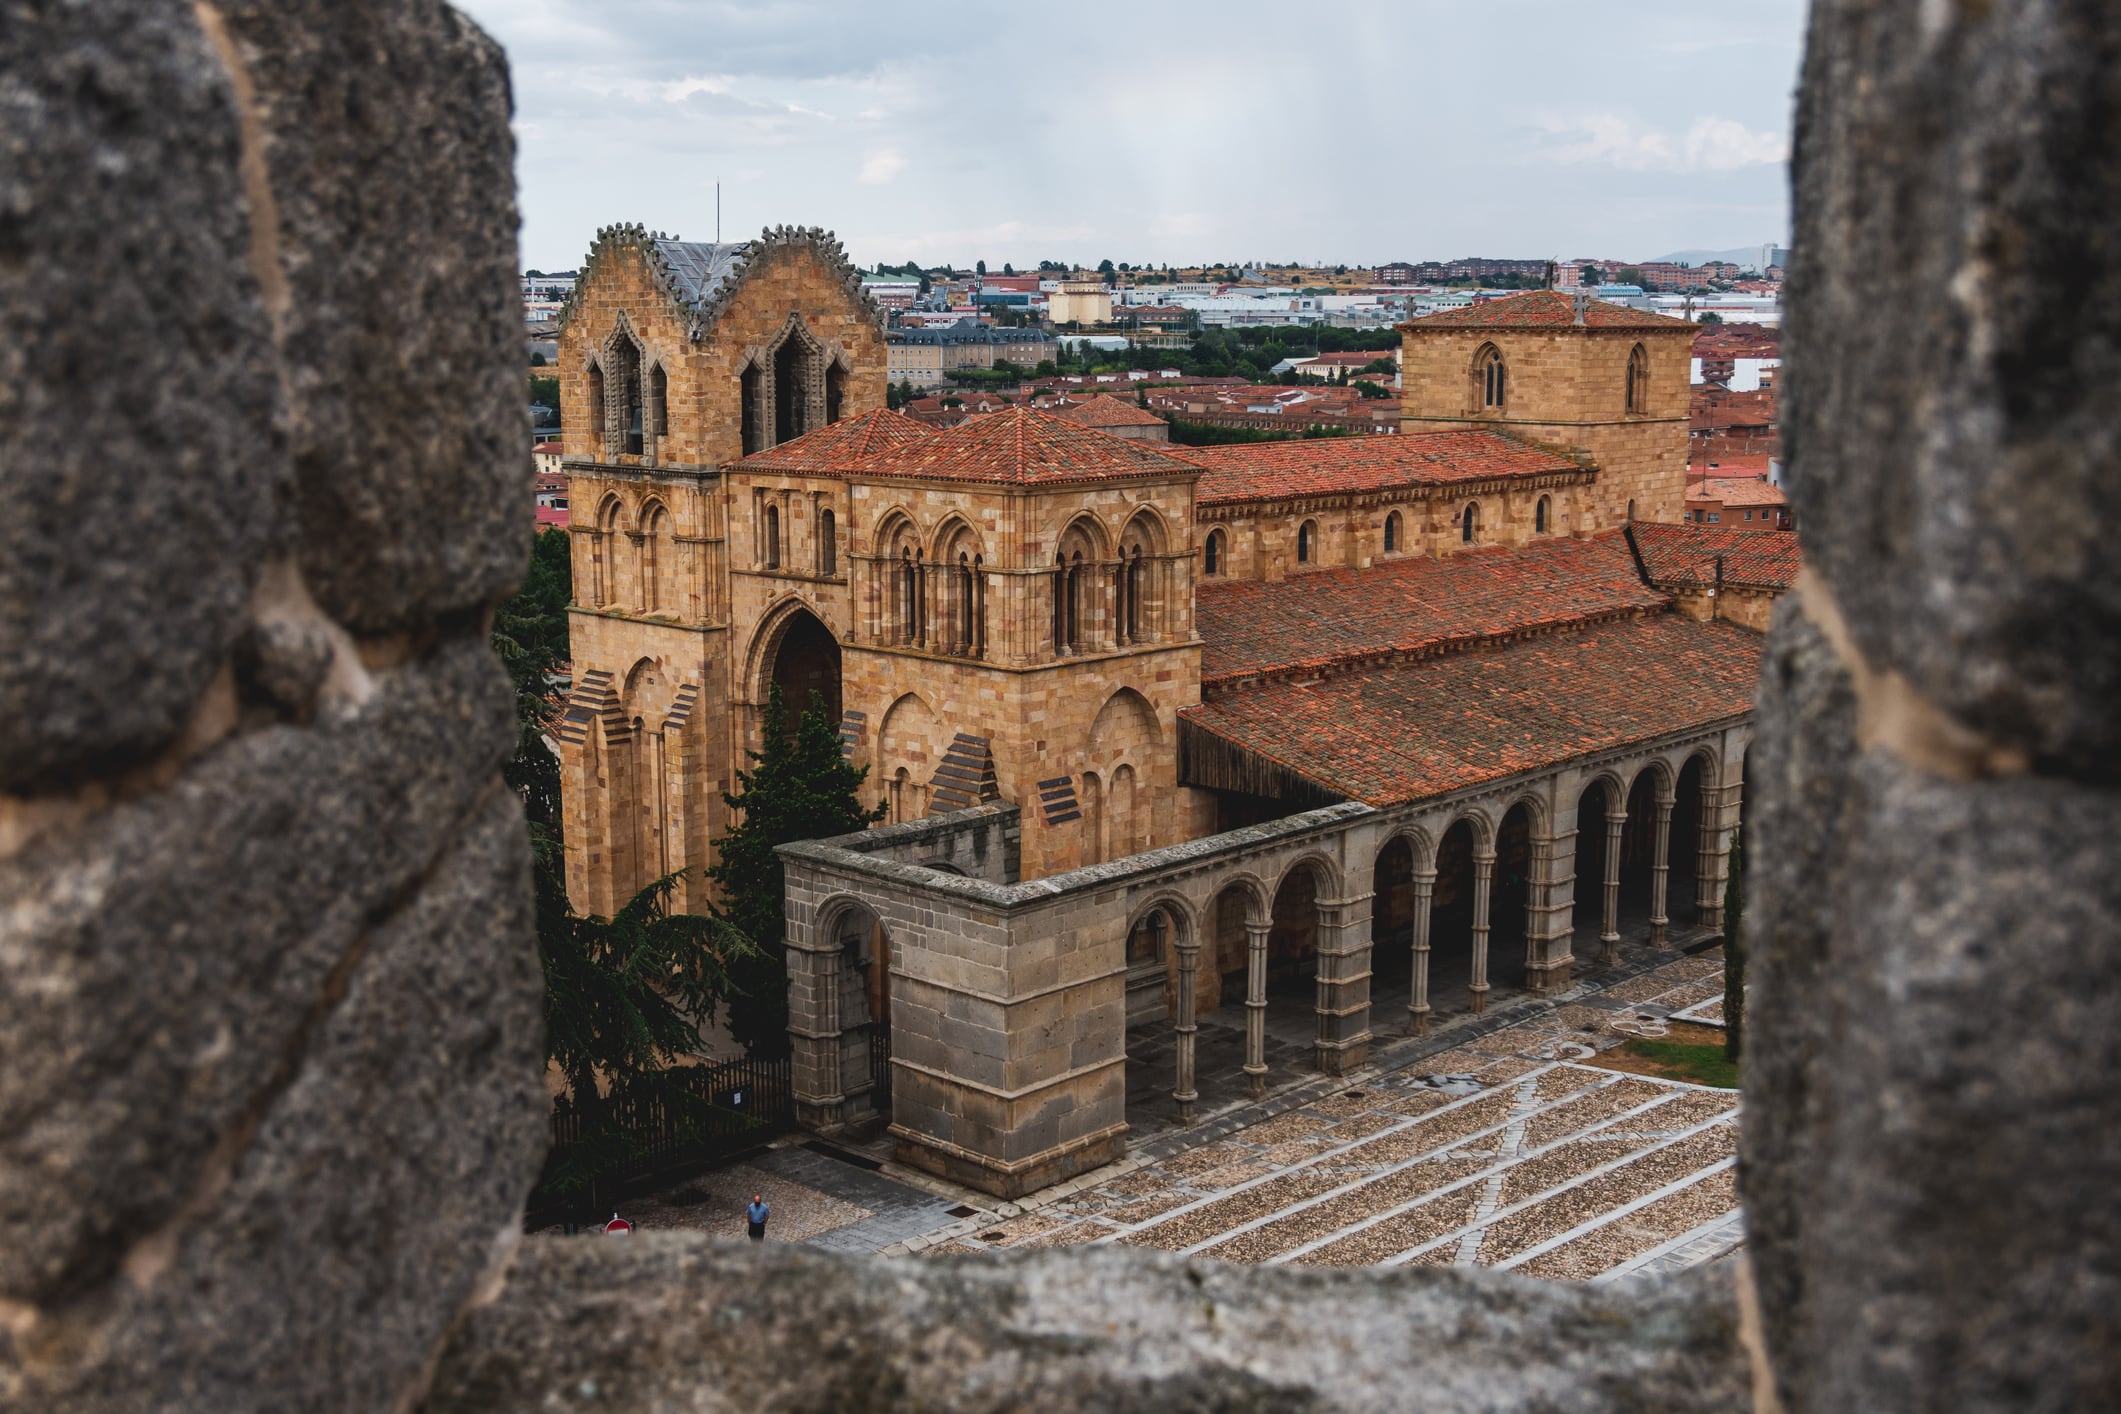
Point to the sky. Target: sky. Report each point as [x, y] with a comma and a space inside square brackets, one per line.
[1160, 131]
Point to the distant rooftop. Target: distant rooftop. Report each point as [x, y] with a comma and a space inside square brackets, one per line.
[1545, 309]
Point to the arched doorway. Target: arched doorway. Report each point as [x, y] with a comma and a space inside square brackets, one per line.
[1451, 922]
[805, 659]
[1638, 853]
[1683, 883]
[1292, 941]
[1392, 915]
[864, 946]
[1156, 1071]
[1510, 897]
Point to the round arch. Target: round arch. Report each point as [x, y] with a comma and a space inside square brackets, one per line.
[1146, 528]
[795, 649]
[861, 935]
[1087, 533]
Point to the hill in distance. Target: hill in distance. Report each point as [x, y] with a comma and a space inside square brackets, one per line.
[1737, 255]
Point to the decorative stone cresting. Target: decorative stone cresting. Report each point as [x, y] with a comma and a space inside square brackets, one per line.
[270, 1090]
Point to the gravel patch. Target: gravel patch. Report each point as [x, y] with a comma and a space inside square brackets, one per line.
[1581, 1018]
[1564, 1080]
[1691, 1108]
[1231, 1176]
[1696, 969]
[1419, 1102]
[1233, 1211]
[1360, 1127]
[1348, 1102]
[1293, 1125]
[1514, 1041]
[1389, 1239]
[1141, 1183]
[1589, 1109]
[1508, 1069]
[1016, 1230]
[1067, 1236]
[1208, 1156]
[1143, 1209]
[1505, 1239]
[1571, 1160]
[1285, 1155]
[1680, 997]
[1638, 1232]
[1639, 989]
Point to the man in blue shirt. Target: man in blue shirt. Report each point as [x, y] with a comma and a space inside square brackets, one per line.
[755, 1216]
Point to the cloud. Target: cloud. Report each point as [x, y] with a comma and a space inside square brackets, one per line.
[880, 166]
[1710, 145]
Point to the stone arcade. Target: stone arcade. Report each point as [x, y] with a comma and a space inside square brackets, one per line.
[1214, 713]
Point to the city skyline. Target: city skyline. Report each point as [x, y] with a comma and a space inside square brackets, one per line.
[1174, 137]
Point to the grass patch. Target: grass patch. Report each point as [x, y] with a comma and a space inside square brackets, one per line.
[1683, 1060]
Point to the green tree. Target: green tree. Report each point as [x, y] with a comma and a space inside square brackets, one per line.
[624, 1001]
[1592, 275]
[1734, 950]
[545, 390]
[1365, 388]
[980, 266]
[1710, 316]
[1629, 275]
[799, 787]
[530, 634]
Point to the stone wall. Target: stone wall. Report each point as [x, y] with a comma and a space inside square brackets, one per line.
[1932, 1079]
[269, 1059]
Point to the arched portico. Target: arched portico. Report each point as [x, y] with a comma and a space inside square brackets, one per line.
[840, 1016]
[795, 651]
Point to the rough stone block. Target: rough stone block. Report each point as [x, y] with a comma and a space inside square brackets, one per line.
[141, 458]
[404, 327]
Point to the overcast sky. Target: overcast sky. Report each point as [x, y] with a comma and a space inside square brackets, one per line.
[1158, 131]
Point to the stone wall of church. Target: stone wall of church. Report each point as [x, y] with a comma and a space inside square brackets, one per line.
[1260, 542]
[1567, 388]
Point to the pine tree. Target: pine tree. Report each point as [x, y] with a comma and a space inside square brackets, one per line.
[798, 788]
[1734, 951]
[624, 1001]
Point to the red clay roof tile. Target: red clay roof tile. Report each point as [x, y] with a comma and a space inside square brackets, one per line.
[1687, 554]
[1544, 309]
[1314, 620]
[1024, 446]
[1419, 729]
[839, 446]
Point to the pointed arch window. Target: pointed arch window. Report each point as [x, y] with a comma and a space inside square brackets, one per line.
[835, 393]
[751, 392]
[658, 409]
[596, 401]
[1490, 379]
[1638, 380]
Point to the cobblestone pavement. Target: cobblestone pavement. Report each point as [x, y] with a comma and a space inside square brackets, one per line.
[1512, 1149]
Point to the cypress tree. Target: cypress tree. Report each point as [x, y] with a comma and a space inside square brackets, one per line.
[1734, 951]
[799, 787]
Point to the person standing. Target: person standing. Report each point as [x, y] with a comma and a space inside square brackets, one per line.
[755, 1217]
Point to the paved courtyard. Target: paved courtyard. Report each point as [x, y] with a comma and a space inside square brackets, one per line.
[1509, 1141]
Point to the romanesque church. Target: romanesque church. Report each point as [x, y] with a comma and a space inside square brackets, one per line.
[1159, 730]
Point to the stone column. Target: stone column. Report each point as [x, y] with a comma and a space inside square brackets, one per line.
[1188, 973]
[1547, 953]
[1609, 935]
[814, 1030]
[1418, 1002]
[1660, 866]
[1256, 1007]
[1483, 878]
[1342, 1040]
[1715, 854]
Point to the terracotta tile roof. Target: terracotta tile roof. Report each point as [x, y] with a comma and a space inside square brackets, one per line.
[1544, 309]
[1315, 620]
[1104, 410]
[1686, 555]
[1272, 471]
[1024, 446]
[1735, 491]
[1419, 729]
[839, 446]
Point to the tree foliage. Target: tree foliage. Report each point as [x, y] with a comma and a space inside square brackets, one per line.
[530, 634]
[800, 787]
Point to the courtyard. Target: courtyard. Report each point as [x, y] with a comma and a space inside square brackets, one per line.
[1526, 1138]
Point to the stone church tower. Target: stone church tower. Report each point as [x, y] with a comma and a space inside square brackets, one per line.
[676, 358]
[1567, 371]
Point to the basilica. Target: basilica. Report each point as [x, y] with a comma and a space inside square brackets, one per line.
[1161, 732]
